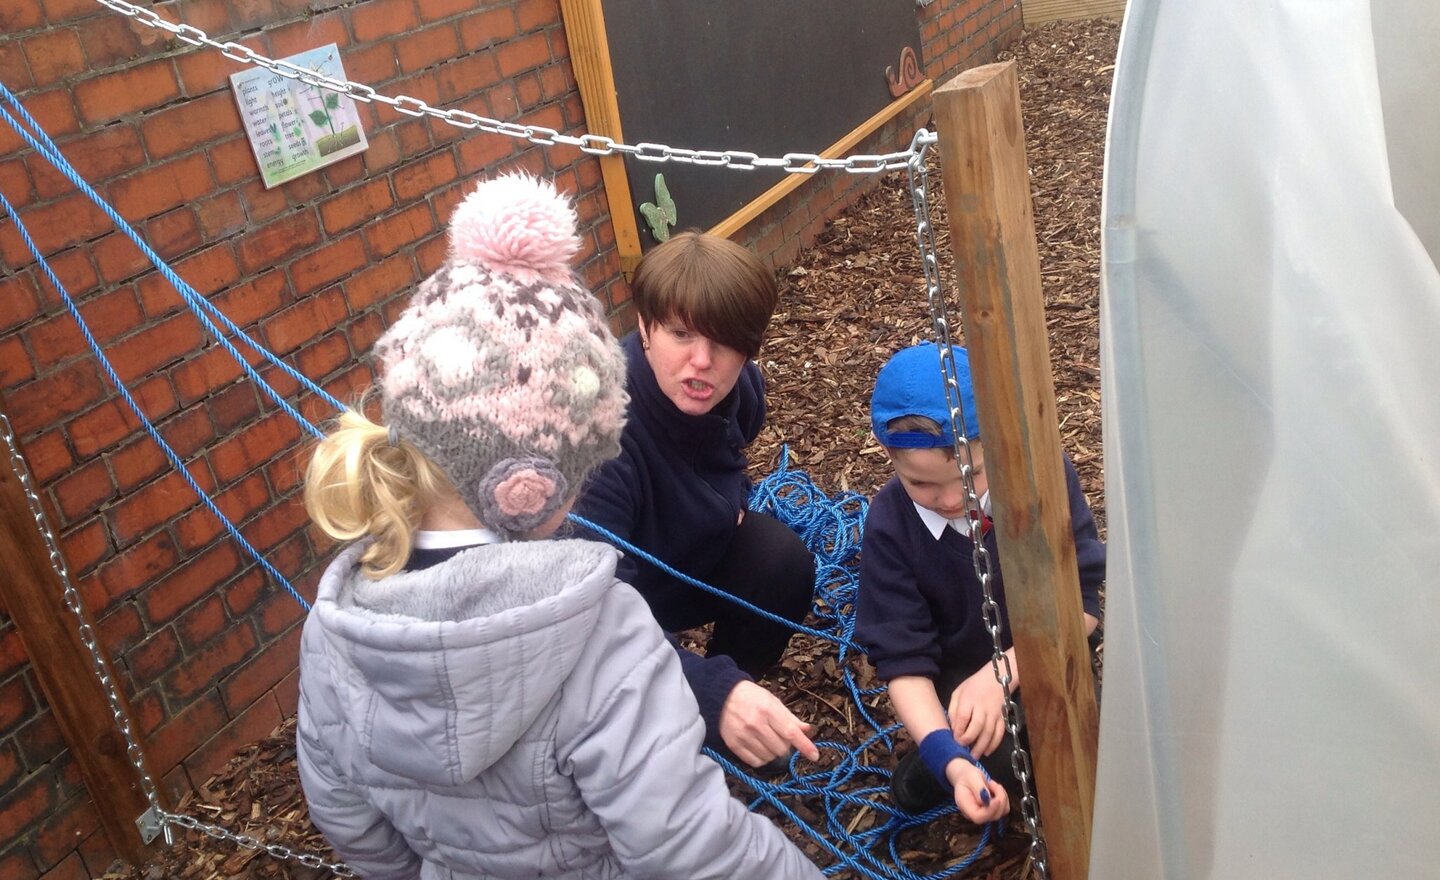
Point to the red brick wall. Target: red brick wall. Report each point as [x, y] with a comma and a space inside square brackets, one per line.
[315, 269]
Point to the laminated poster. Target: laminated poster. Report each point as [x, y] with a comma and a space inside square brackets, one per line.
[296, 128]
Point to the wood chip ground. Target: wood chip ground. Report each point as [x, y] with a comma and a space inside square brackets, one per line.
[846, 305]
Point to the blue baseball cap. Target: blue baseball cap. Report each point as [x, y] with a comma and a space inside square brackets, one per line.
[911, 384]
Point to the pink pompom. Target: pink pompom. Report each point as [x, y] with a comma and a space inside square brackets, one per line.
[516, 225]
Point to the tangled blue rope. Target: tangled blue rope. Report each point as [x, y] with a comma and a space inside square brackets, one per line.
[831, 528]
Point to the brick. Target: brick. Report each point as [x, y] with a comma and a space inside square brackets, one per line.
[287, 693]
[27, 803]
[177, 738]
[149, 349]
[420, 178]
[62, 831]
[16, 703]
[247, 14]
[255, 723]
[48, 456]
[76, 272]
[201, 623]
[244, 452]
[425, 48]
[374, 64]
[314, 30]
[19, 300]
[14, 72]
[326, 265]
[286, 473]
[121, 92]
[233, 407]
[389, 234]
[172, 234]
[53, 227]
[19, 16]
[136, 568]
[278, 525]
[15, 862]
[528, 52]
[16, 182]
[485, 29]
[97, 853]
[389, 278]
[190, 124]
[243, 500]
[161, 187]
[50, 399]
[180, 588]
[59, 339]
[263, 295]
[243, 594]
[430, 253]
[556, 81]
[102, 427]
[155, 656]
[271, 244]
[206, 272]
[156, 504]
[72, 868]
[208, 665]
[57, 11]
[220, 216]
[280, 613]
[137, 463]
[40, 741]
[383, 18]
[121, 629]
[356, 205]
[533, 15]
[15, 365]
[83, 491]
[305, 320]
[10, 766]
[324, 357]
[54, 55]
[54, 111]
[233, 161]
[109, 40]
[85, 547]
[434, 10]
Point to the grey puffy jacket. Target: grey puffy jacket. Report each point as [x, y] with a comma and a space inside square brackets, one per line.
[513, 712]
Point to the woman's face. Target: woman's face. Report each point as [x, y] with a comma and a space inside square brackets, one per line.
[693, 371]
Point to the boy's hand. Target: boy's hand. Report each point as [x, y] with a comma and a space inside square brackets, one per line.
[977, 712]
[969, 782]
[758, 728]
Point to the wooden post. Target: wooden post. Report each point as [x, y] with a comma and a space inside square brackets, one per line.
[590, 59]
[34, 596]
[997, 267]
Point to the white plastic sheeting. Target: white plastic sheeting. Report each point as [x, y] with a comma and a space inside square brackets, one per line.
[1271, 363]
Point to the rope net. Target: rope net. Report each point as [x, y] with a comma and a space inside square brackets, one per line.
[858, 825]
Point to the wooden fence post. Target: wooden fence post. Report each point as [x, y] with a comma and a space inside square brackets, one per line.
[34, 595]
[997, 267]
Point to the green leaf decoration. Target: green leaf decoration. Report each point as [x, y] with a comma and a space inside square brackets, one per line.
[660, 215]
[319, 117]
[332, 101]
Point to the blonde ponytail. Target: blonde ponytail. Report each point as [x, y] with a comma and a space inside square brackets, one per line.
[358, 485]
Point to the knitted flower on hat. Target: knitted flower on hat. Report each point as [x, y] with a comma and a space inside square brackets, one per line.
[502, 369]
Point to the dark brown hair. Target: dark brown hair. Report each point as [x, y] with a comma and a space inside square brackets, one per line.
[718, 288]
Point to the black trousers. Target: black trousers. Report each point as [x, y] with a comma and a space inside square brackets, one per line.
[768, 566]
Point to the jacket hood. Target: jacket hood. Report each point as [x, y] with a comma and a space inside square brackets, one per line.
[443, 669]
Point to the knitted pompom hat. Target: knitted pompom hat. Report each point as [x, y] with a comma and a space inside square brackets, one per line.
[502, 369]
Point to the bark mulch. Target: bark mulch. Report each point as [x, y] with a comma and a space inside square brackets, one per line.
[846, 305]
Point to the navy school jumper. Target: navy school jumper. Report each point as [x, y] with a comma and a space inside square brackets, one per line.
[676, 490]
[919, 610]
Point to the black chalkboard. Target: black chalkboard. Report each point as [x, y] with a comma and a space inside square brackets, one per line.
[764, 76]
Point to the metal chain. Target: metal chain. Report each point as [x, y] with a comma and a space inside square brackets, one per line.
[919, 179]
[594, 144]
[133, 751]
[248, 842]
[77, 608]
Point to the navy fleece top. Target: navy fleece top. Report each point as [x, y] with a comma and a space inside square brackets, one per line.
[676, 491]
[919, 609]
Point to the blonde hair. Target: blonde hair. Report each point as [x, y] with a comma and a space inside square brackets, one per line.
[358, 485]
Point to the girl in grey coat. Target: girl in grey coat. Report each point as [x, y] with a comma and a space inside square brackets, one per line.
[475, 703]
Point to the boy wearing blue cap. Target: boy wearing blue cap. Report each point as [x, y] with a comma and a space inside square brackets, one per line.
[919, 612]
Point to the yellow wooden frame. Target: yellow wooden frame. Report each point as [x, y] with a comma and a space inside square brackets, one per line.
[590, 58]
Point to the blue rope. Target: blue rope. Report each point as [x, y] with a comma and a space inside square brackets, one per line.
[830, 528]
[198, 304]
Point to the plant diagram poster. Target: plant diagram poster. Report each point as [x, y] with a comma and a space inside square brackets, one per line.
[296, 128]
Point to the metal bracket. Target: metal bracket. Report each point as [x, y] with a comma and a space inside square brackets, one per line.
[152, 826]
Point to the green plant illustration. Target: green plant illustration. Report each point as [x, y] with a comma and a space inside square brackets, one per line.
[660, 215]
[321, 116]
